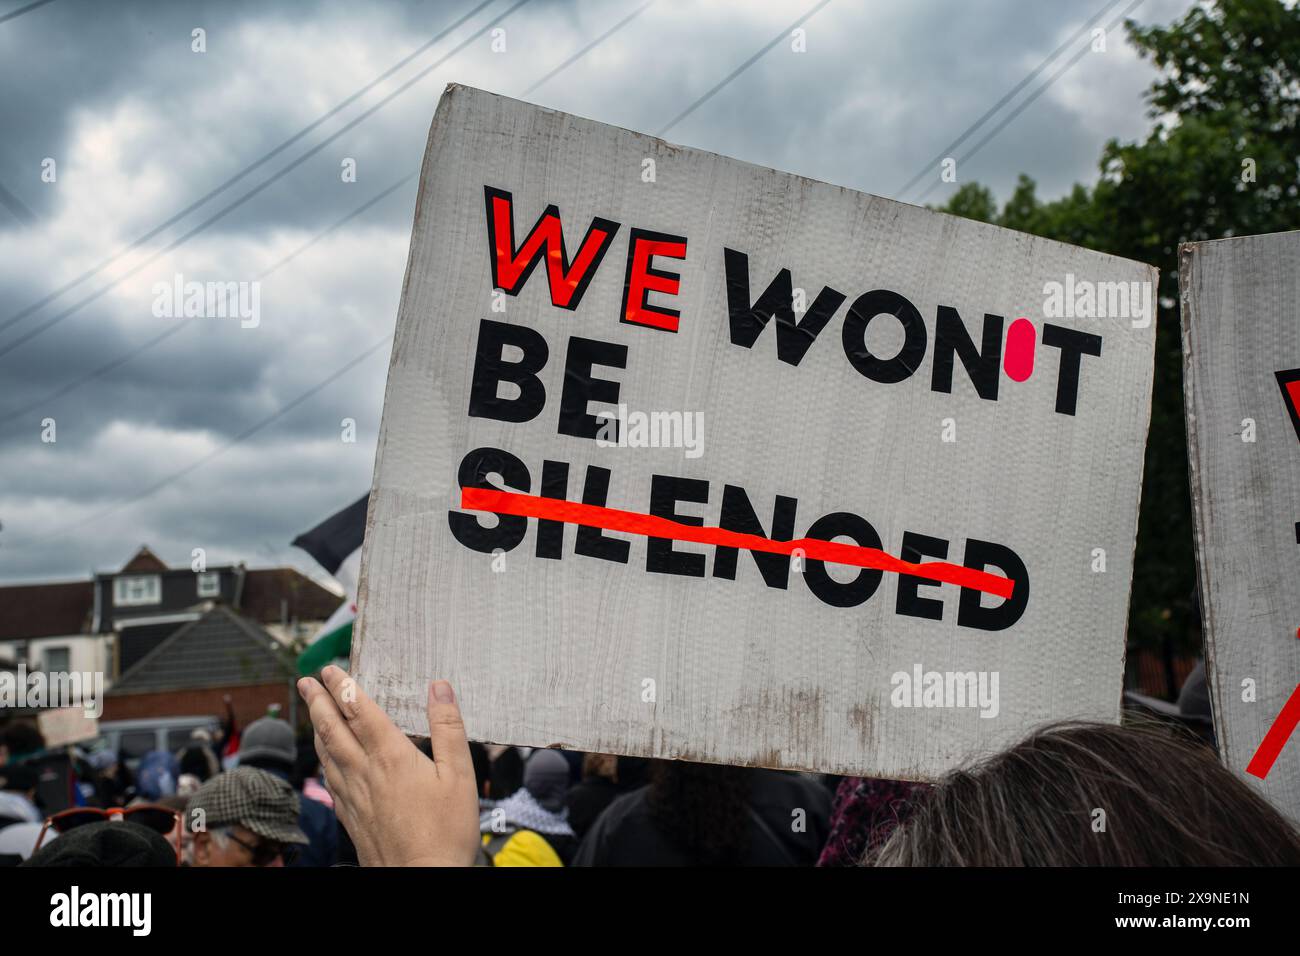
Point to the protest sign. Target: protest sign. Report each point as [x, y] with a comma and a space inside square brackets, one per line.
[66, 725]
[1241, 354]
[683, 457]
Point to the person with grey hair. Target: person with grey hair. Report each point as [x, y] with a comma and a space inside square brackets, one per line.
[244, 817]
[1092, 794]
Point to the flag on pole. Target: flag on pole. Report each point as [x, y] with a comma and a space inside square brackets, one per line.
[335, 543]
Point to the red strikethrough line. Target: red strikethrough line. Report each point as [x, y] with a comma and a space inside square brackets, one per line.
[653, 526]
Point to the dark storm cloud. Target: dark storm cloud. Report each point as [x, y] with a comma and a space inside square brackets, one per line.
[141, 126]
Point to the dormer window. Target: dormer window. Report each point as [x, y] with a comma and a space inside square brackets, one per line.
[209, 584]
[137, 590]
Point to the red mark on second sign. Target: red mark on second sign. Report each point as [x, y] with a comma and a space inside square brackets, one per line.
[1276, 738]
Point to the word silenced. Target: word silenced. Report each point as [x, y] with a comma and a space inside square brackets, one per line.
[738, 527]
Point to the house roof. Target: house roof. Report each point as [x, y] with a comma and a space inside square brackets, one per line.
[144, 561]
[45, 610]
[220, 649]
[265, 588]
[67, 607]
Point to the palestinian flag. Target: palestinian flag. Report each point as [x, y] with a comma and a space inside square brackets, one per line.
[335, 543]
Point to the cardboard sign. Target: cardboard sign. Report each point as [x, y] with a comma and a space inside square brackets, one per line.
[687, 458]
[1241, 350]
[66, 725]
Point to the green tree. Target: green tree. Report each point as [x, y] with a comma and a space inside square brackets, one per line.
[1222, 159]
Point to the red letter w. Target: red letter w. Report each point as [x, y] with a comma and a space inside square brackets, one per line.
[511, 267]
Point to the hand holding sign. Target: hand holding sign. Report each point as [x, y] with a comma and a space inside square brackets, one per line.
[399, 808]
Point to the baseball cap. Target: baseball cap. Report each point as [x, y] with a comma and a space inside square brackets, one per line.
[254, 799]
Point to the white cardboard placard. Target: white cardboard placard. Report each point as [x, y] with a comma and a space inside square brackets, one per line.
[1241, 355]
[715, 662]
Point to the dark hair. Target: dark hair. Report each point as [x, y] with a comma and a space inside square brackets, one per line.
[307, 764]
[482, 766]
[702, 809]
[21, 736]
[1086, 794]
[195, 760]
[507, 773]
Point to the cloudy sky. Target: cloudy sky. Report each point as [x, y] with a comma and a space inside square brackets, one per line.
[184, 444]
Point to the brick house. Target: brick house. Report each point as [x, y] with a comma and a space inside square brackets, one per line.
[115, 621]
[193, 669]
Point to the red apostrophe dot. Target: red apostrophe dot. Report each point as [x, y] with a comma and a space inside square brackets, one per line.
[1018, 358]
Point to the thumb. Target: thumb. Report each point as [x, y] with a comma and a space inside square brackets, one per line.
[447, 731]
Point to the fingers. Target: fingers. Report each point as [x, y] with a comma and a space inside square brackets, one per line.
[447, 731]
[368, 723]
[336, 742]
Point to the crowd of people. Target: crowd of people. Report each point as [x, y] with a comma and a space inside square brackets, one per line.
[356, 790]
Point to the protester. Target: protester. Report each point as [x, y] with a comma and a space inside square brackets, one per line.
[604, 779]
[109, 782]
[597, 789]
[268, 744]
[244, 817]
[1081, 794]
[864, 813]
[20, 740]
[306, 773]
[482, 767]
[110, 843]
[197, 758]
[507, 773]
[530, 827]
[20, 818]
[18, 795]
[709, 815]
[156, 776]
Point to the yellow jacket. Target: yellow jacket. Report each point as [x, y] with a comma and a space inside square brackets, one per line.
[521, 848]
